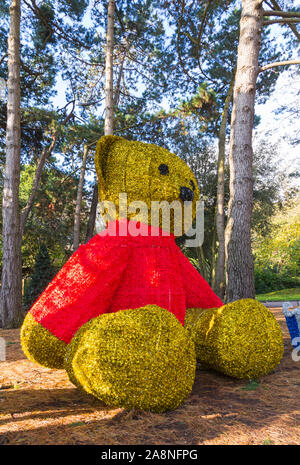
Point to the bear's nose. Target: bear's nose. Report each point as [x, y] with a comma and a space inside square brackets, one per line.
[186, 194]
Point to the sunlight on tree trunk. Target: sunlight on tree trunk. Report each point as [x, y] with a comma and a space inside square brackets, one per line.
[240, 269]
[11, 282]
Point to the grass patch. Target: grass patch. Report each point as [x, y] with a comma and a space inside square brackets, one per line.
[283, 294]
[251, 386]
[268, 442]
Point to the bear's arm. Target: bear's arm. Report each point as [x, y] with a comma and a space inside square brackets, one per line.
[83, 288]
[197, 291]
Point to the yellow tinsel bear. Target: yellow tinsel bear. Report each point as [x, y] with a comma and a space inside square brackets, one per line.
[128, 314]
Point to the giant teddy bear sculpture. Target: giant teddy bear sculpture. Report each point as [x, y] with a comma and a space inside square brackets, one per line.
[128, 315]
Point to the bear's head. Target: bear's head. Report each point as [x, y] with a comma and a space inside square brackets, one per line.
[146, 183]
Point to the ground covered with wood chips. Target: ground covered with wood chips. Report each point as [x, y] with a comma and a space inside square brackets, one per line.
[40, 406]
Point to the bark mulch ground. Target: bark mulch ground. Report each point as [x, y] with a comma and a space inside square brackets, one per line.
[40, 406]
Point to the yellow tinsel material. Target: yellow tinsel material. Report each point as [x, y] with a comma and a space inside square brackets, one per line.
[133, 168]
[141, 358]
[241, 339]
[144, 358]
[40, 346]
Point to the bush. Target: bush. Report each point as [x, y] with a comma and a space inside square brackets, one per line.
[268, 280]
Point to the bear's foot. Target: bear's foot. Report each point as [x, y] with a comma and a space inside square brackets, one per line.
[137, 359]
[40, 346]
[241, 339]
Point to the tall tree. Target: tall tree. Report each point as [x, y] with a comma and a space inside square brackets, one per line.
[110, 101]
[239, 263]
[109, 98]
[239, 259]
[206, 44]
[11, 281]
[50, 31]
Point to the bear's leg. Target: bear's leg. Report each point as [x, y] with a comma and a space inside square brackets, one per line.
[241, 339]
[142, 359]
[40, 346]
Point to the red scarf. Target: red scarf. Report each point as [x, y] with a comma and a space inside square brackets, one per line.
[115, 272]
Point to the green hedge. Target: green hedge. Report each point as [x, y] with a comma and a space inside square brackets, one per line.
[269, 280]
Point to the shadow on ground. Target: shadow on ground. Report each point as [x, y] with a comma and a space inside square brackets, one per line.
[41, 406]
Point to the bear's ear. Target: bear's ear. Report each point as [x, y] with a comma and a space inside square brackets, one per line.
[101, 156]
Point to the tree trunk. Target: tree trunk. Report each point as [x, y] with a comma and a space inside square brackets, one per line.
[109, 103]
[11, 282]
[219, 278]
[109, 92]
[204, 268]
[240, 269]
[44, 155]
[92, 217]
[213, 257]
[79, 200]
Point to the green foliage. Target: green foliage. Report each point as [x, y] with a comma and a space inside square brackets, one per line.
[51, 219]
[202, 159]
[44, 33]
[269, 279]
[252, 385]
[159, 56]
[201, 106]
[42, 274]
[277, 253]
[204, 44]
[267, 189]
[74, 8]
[268, 442]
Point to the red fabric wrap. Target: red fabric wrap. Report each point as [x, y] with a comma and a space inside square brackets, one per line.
[116, 272]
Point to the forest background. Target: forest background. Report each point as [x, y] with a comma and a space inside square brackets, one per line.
[174, 64]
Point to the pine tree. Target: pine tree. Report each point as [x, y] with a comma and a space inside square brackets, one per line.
[42, 274]
[11, 278]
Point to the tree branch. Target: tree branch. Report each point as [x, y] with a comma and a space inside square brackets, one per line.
[45, 154]
[268, 3]
[281, 21]
[48, 23]
[279, 63]
[202, 25]
[287, 14]
[178, 44]
[3, 58]
[291, 26]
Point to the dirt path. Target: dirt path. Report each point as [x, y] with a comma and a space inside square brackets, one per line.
[40, 406]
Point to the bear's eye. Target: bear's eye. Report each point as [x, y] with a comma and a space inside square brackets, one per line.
[192, 184]
[163, 169]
